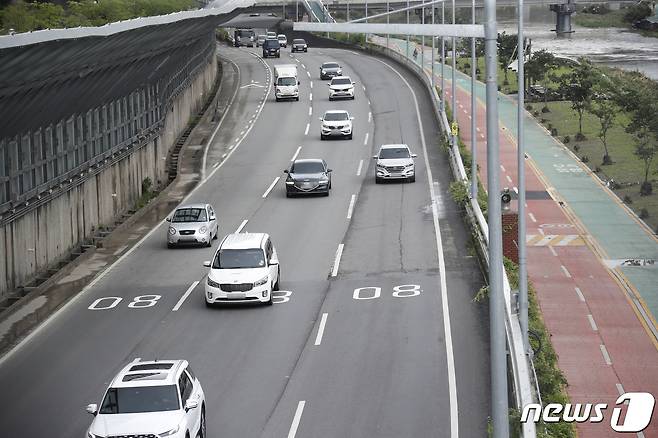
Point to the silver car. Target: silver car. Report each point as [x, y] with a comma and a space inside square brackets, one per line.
[193, 223]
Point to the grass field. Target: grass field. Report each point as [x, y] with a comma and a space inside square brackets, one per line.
[627, 170]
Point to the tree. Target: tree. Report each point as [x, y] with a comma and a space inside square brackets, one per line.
[538, 67]
[506, 47]
[577, 86]
[605, 110]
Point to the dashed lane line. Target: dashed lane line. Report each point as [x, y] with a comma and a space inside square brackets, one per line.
[294, 157]
[592, 323]
[242, 225]
[308, 126]
[365, 140]
[358, 170]
[350, 209]
[566, 273]
[296, 419]
[339, 254]
[323, 322]
[184, 297]
[581, 297]
[606, 355]
[269, 189]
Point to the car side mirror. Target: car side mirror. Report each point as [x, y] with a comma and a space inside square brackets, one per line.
[212, 218]
[168, 219]
[374, 157]
[353, 83]
[286, 171]
[352, 118]
[320, 118]
[191, 404]
[92, 408]
[330, 170]
[298, 83]
[206, 263]
[414, 155]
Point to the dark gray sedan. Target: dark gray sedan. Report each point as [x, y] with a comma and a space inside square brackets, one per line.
[308, 176]
[330, 69]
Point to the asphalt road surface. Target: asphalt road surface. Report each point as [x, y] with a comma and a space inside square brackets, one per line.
[367, 352]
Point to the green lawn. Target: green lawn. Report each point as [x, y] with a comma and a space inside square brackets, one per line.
[627, 170]
[611, 19]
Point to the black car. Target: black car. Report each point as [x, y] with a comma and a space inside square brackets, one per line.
[330, 69]
[308, 176]
[298, 45]
[271, 47]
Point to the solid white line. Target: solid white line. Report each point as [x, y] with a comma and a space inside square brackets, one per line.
[296, 419]
[565, 271]
[350, 209]
[606, 356]
[303, 66]
[620, 389]
[294, 157]
[508, 179]
[365, 140]
[310, 97]
[308, 125]
[120, 250]
[308, 74]
[241, 227]
[323, 322]
[592, 323]
[339, 253]
[581, 297]
[109, 268]
[369, 116]
[450, 357]
[358, 170]
[184, 297]
[269, 189]
[502, 168]
[310, 110]
[550, 248]
[532, 217]
[311, 83]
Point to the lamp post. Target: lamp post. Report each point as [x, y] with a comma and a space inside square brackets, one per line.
[523, 274]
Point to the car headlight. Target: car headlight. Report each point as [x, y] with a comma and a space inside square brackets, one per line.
[203, 230]
[212, 283]
[172, 230]
[323, 72]
[409, 166]
[91, 435]
[170, 432]
[262, 281]
[381, 166]
[339, 72]
[290, 183]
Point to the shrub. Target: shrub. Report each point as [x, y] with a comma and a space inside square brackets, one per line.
[554, 132]
[644, 213]
[528, 107]
[566, 140]
[584, 159]
[597, 169]
[535, 113]
[545, 110]
[576, 147]
[628, 199]
[646, 189]
[580, 137]
[637, 12]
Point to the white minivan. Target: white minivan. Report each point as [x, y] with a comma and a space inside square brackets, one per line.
[245, 269]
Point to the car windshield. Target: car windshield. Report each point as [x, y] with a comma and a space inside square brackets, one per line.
[307, 167]
[282, 37]
[287, 81]
[332, 117]
[239, 259]
[298, 42]
[330, 65]
[394, 153]
[190, 215]
[140, 399]
[271, 44]
[245, 33]
[261, 37]
[341, 81]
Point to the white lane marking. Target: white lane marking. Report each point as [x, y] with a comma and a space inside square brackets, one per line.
[508, 179]
[269, 189]
[294, 157]
[308, 74]
[109, 268]
[323, 322]
[120, 250]
[477, 129]
[350, 209]
[450, 357]
[465, 112]
[308, 125]
[303, 66]
[592, 323]
[339, 253]
[564, 269]
[311, 83]
[620, 389]
[358, 170]
[296, 419]
[364, 87]
[581, 297]
[242, 132]
[541, 231]
[516, 189]
[242, 225]
[369, 116]
[310, 110]
[532, 217]
[365, 140]
[482, 135]
[310, 97]
[184, 297]
[550, 248]
[606, 355]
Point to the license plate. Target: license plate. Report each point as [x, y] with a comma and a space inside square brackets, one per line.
[236, 295]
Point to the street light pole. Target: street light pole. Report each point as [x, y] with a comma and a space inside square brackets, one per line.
[443, 60]
[454, 79]
[422, 38]
[474, 140]
[498, 355]
[433, 49]
[523, 274]
[407, 54]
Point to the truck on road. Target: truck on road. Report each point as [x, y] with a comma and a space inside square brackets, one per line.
[286, 84]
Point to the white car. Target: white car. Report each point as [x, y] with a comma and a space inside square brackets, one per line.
[245, 269]
[283, 40]
[270, 35]
[160, 398]
[193, 223]
[336, 123]
[341, 87]
[395, 161]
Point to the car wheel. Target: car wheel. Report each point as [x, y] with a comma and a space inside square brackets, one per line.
[326, 193]
[207, 303]
[412, 179]
[277, 99]
[378, 180]
[322, 137]
[305, 50]
[216, 233]
[202, 426]
[288, 195]
[170, 245]
[297, 99]
[352, 97]
[349, 137]
[209, 243]
[278, 280]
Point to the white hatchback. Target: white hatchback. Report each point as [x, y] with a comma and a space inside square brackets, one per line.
[245, 269]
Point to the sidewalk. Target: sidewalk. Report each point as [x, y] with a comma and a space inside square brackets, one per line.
[604, 345]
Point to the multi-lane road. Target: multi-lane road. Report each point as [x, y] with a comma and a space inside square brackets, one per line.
[373, 334]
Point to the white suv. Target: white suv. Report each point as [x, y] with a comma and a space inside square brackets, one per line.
[160, 398]
[341, 87]
[336, 123]
[395, 161]
[245, 269]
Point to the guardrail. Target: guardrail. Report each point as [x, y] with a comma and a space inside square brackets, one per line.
[521, 365]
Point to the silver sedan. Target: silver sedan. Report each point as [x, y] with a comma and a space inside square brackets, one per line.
[192, 224]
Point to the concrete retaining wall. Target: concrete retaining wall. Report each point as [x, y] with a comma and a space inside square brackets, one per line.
[45, 236]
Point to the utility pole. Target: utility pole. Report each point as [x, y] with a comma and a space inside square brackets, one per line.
[407, 54]
[454, 79]
[474, 139]
[422, 39]
[498, 355]
[523, 274]
[443, 60]
[433, 50]
[388, 15]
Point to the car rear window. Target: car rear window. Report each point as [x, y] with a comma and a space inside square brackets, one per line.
[298, 42]
[330, 65]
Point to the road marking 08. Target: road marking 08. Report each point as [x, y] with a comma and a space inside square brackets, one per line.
[365, 140]
[358, 170]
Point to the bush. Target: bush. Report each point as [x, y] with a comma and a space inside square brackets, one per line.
[597, 169]
[528, 107]
[554, 132]
[644, 213]
[607, 160]
[646, 189]
[580, 137]
[637, 12]
[459, 192]
[535, 113]
[584, 159]
[576, 147]
[566, 140]
[545, 109]
[628, 200]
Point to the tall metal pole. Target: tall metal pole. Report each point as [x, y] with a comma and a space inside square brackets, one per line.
[523, 274]
[443, 60]
[498, 359]
[433, 48]
[407, 54]
[474, 139]
[454, 77]
[297, 10]
[387, 22]
[422, 39]
[348, 10]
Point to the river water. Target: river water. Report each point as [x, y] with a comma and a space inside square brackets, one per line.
[612, 46]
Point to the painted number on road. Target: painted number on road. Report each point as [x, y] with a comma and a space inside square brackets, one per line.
[105, 303]
[139, 302]
[373, 292]
[281, 296]
[567, 168]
